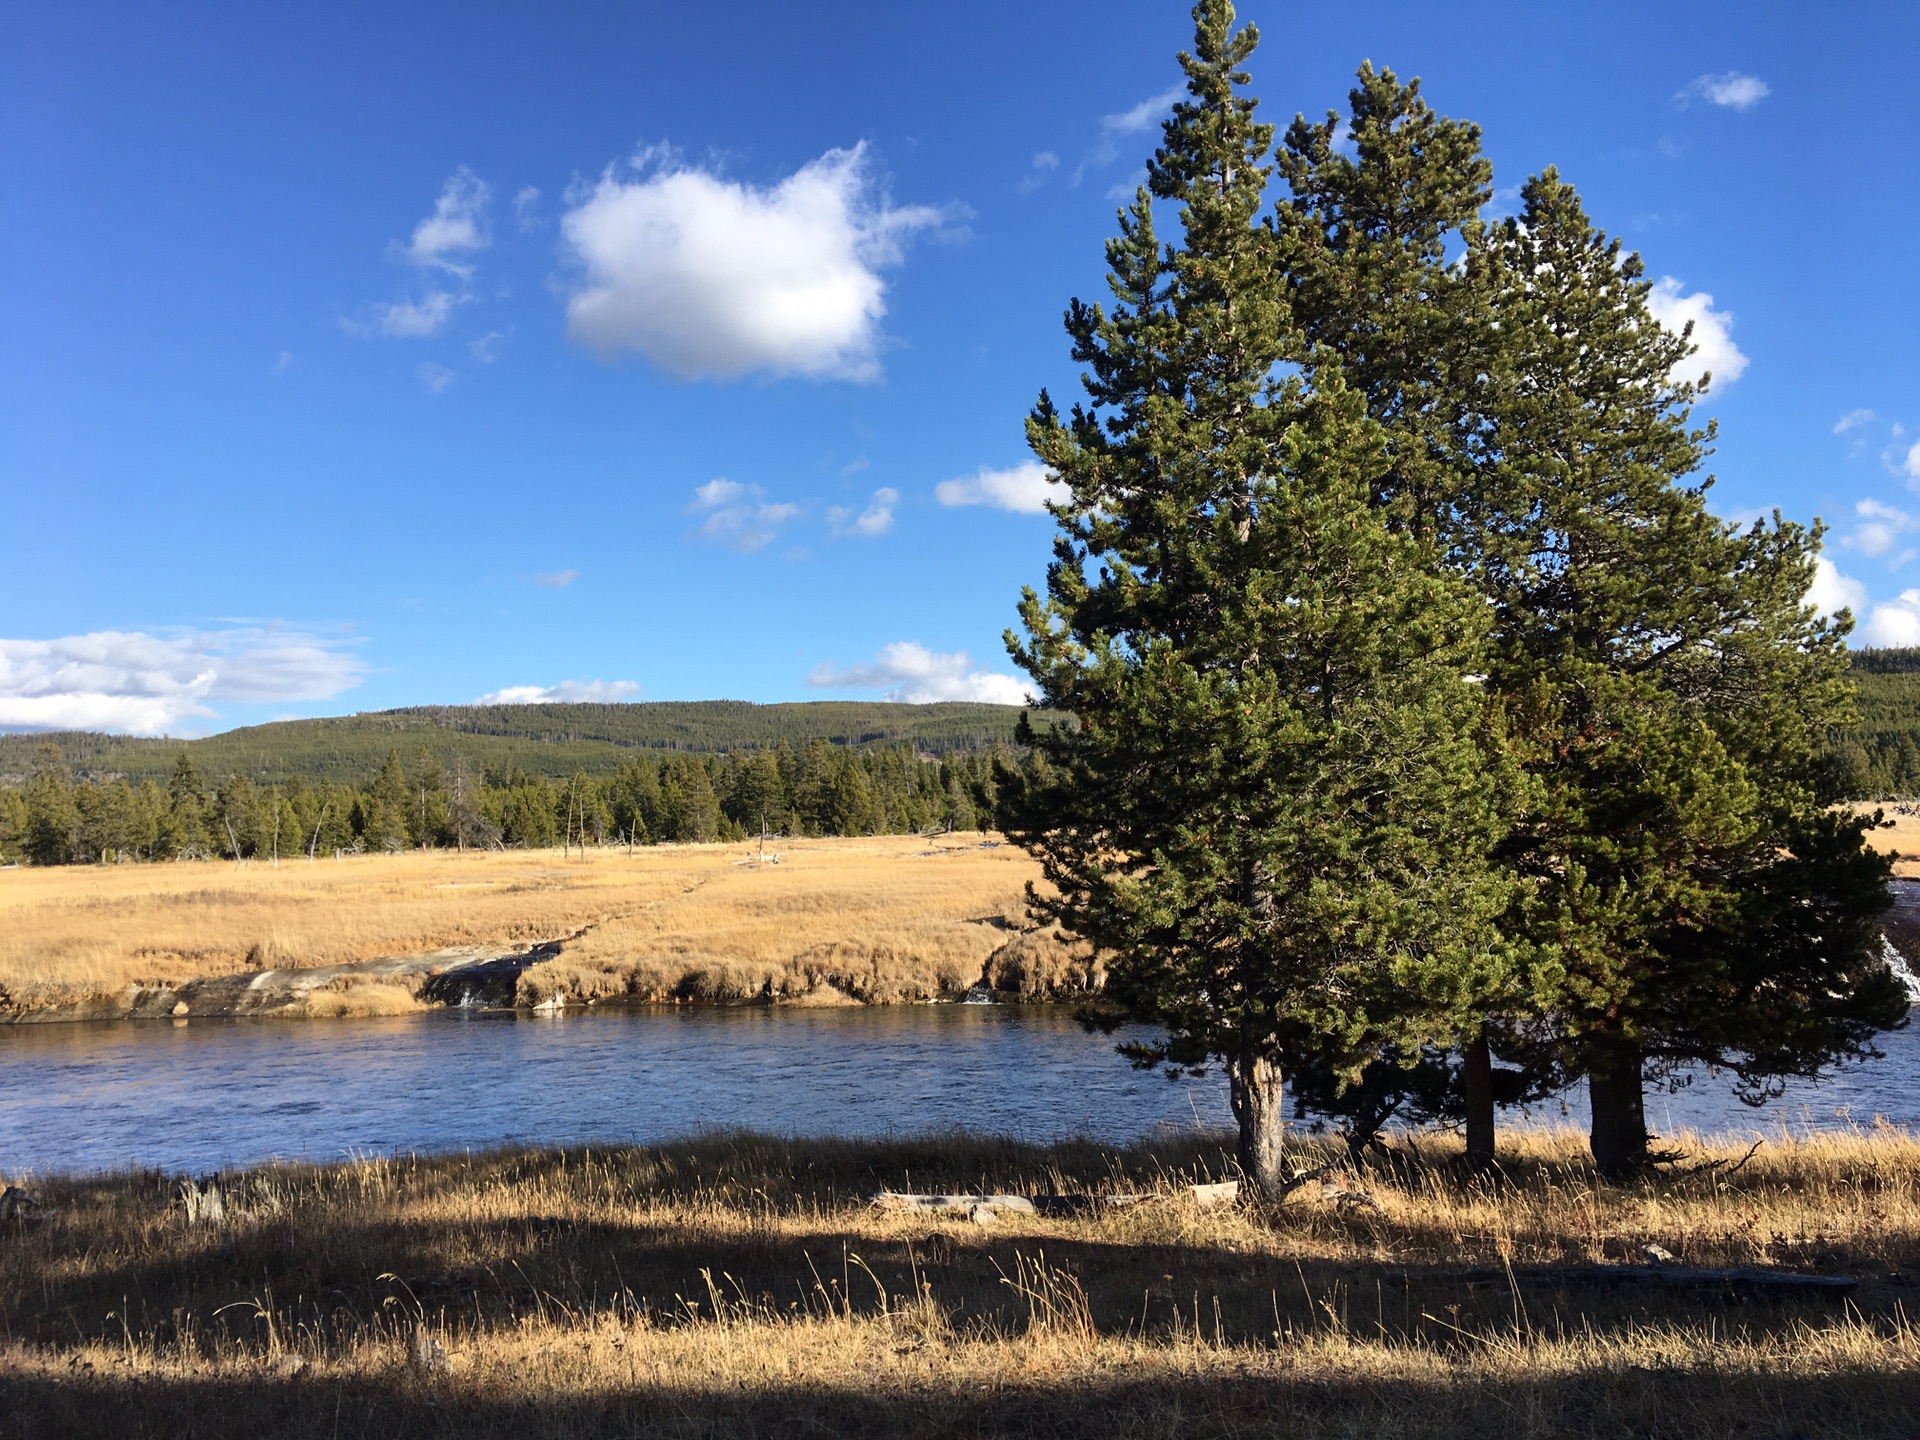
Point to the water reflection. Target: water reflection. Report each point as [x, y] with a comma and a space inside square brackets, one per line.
[194, 1096]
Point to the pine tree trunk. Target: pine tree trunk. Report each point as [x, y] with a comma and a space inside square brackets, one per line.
[1258, 1096]
[1477, 1071]
[1619, 1135]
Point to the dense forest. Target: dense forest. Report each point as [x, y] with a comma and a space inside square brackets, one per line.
[1882, 755]
[550, 740]
[813, 789]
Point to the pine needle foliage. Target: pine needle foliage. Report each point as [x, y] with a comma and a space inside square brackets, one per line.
[1273, 813]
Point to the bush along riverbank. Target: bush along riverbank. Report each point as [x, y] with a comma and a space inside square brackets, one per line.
[736, 1285]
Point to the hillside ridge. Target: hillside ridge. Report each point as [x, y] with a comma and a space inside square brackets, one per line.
[554, 740]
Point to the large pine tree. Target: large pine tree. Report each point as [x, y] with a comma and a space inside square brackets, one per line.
[1273, 810]
[1695, 896]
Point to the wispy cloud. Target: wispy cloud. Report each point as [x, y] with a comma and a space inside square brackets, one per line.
[133, 682]
[1716, 354]
[907, 671]
[282, 364]
[557, 580]
[876, 519]
[1731, 90]
[436, 378]
[417, 319]
[456, 227]
[739, 516]
[1853, 419]
[488, 347]
[441, 244]
[1114, 128]
[711, 278]
[567, 692]
[1025, 489]
[526, 207]
[1044, 164]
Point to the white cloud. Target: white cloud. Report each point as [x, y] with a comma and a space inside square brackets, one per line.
[457, 225]
[1130, 121]
[1880, 528]
[739, 516]
[910, 672]
[1911, 466]
[876, 519]
[567, 692]
[284, 363]
[557, 580]
[524, 202]
[1023, 488]
[1894, 623]
[1044, 164]
[408, 320]
[1852, 419]
[1832, 592]
[1732, 90]
[1139, 117]
[712, 278]
[435, 377]
[141, 684]
[1712, 332]
[487, 348]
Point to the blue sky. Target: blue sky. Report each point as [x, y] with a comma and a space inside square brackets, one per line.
[363, 356]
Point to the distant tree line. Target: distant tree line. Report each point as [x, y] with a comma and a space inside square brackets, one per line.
[814, 789]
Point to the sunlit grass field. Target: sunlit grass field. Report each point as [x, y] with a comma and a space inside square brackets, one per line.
[885, 919]
[734, 1286]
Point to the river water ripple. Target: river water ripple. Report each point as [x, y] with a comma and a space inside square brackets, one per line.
[202, 1094]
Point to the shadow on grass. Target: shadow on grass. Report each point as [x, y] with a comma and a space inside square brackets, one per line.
[1648, 1403]
[478, 1243]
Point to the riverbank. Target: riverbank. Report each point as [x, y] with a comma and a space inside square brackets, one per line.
[744, 1286]
[872, 921]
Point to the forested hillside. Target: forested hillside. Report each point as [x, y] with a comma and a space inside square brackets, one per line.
[818, 788]
[1883, 754]
[549, 740]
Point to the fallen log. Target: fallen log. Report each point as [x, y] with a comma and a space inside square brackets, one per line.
[983, 1207]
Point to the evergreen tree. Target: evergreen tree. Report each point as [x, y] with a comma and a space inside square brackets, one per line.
[426, 800]
[853, 808]
[690, 811]
[13, 825]
[384, 813]
[1699, 900]
[53, 819]
[1273, 810]
[184, 831]
[236, 818]
[1363, 263]
[108, 827]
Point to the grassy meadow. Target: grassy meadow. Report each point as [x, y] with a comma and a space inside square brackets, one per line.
[733, 1285]
[885, 919]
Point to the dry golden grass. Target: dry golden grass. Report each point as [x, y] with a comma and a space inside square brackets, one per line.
[1900, 837]
[734, 1286]
[880, 920]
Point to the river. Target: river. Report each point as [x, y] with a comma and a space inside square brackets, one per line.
[202, 1094]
